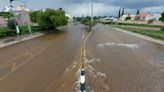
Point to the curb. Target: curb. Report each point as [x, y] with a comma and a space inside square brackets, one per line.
[23, 38]
[141, 36]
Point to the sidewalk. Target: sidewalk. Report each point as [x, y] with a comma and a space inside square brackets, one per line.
[13, 40]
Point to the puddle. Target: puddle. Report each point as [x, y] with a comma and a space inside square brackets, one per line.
[131, 46]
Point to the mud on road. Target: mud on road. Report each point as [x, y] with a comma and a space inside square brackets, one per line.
[119, 62]
[115, 62]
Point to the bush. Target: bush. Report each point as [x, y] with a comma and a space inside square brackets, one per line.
[6, 14]
[25, 30]
[150, 21]
[6, 32]
[11, 23]
[162, 17]
[33, 16]
[162, 28]
[44, 21]
[51, 18]
[86, 21]
[128, 18]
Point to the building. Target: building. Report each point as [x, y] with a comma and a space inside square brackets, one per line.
[107, 19]
[143, 16]
[153, 17]
[70, 17]
[147, 16]
[123, 17]
[3, 21]
[21, 15]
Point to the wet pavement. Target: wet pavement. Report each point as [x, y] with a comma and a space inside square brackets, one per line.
[115, 62]
[43, 64]
[119, 62]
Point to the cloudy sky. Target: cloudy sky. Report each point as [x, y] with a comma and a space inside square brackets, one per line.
[101, 7]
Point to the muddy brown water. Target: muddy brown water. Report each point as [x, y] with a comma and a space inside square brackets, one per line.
[116, 62]
[123, 63]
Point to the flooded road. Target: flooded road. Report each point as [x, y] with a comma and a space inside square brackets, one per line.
[119, 62]
[115, 62]
[44, 64]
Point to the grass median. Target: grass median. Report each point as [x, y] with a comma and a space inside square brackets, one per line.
[157, 34]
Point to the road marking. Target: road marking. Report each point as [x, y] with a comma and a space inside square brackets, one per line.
[13, 66]
[6, 64]
[82, 59]
[19, 66]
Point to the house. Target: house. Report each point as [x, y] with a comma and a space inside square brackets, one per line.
[123, 17]
[107, 19]
[147, 16]
[22, 17]
[153, 17]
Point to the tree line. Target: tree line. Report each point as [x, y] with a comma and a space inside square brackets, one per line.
[49, 18]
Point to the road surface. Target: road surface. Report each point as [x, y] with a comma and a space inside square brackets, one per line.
[119, 62]
[43, 64]
[116, 62]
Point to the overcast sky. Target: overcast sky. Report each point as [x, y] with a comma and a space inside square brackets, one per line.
[101, 7]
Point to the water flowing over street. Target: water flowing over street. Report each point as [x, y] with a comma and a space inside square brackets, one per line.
[115, 62]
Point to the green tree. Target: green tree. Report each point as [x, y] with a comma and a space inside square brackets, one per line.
[6, 14]
[33, 16]
[11, 23]
[52, 18]
[86, 21]
[162, 17]
[128, 18]
[138, 12]
[123, 10]
[119, 13]
[43, 20]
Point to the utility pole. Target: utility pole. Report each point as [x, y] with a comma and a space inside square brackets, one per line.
[28, 24]
[92, 13]
[16, 26]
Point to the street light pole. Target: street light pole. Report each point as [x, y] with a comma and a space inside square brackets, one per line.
[92, 13]
[16, 26]
[28, 24]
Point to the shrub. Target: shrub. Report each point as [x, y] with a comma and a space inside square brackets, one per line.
[11, 23]
[51, 18]
[6, 14]
[6, 32]
[150, 21]
[162, 28]
[162, 17]
[128, 18]
[86, 21]
[44, 21]
[33, 16]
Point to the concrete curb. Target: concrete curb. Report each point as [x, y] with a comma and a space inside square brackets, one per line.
[141, 36]
[22, 38]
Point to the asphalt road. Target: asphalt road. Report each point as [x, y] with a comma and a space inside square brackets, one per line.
[43, 64]
[116, 62]
[119, 62]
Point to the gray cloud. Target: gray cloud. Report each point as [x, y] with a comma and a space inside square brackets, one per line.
[106, 6]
